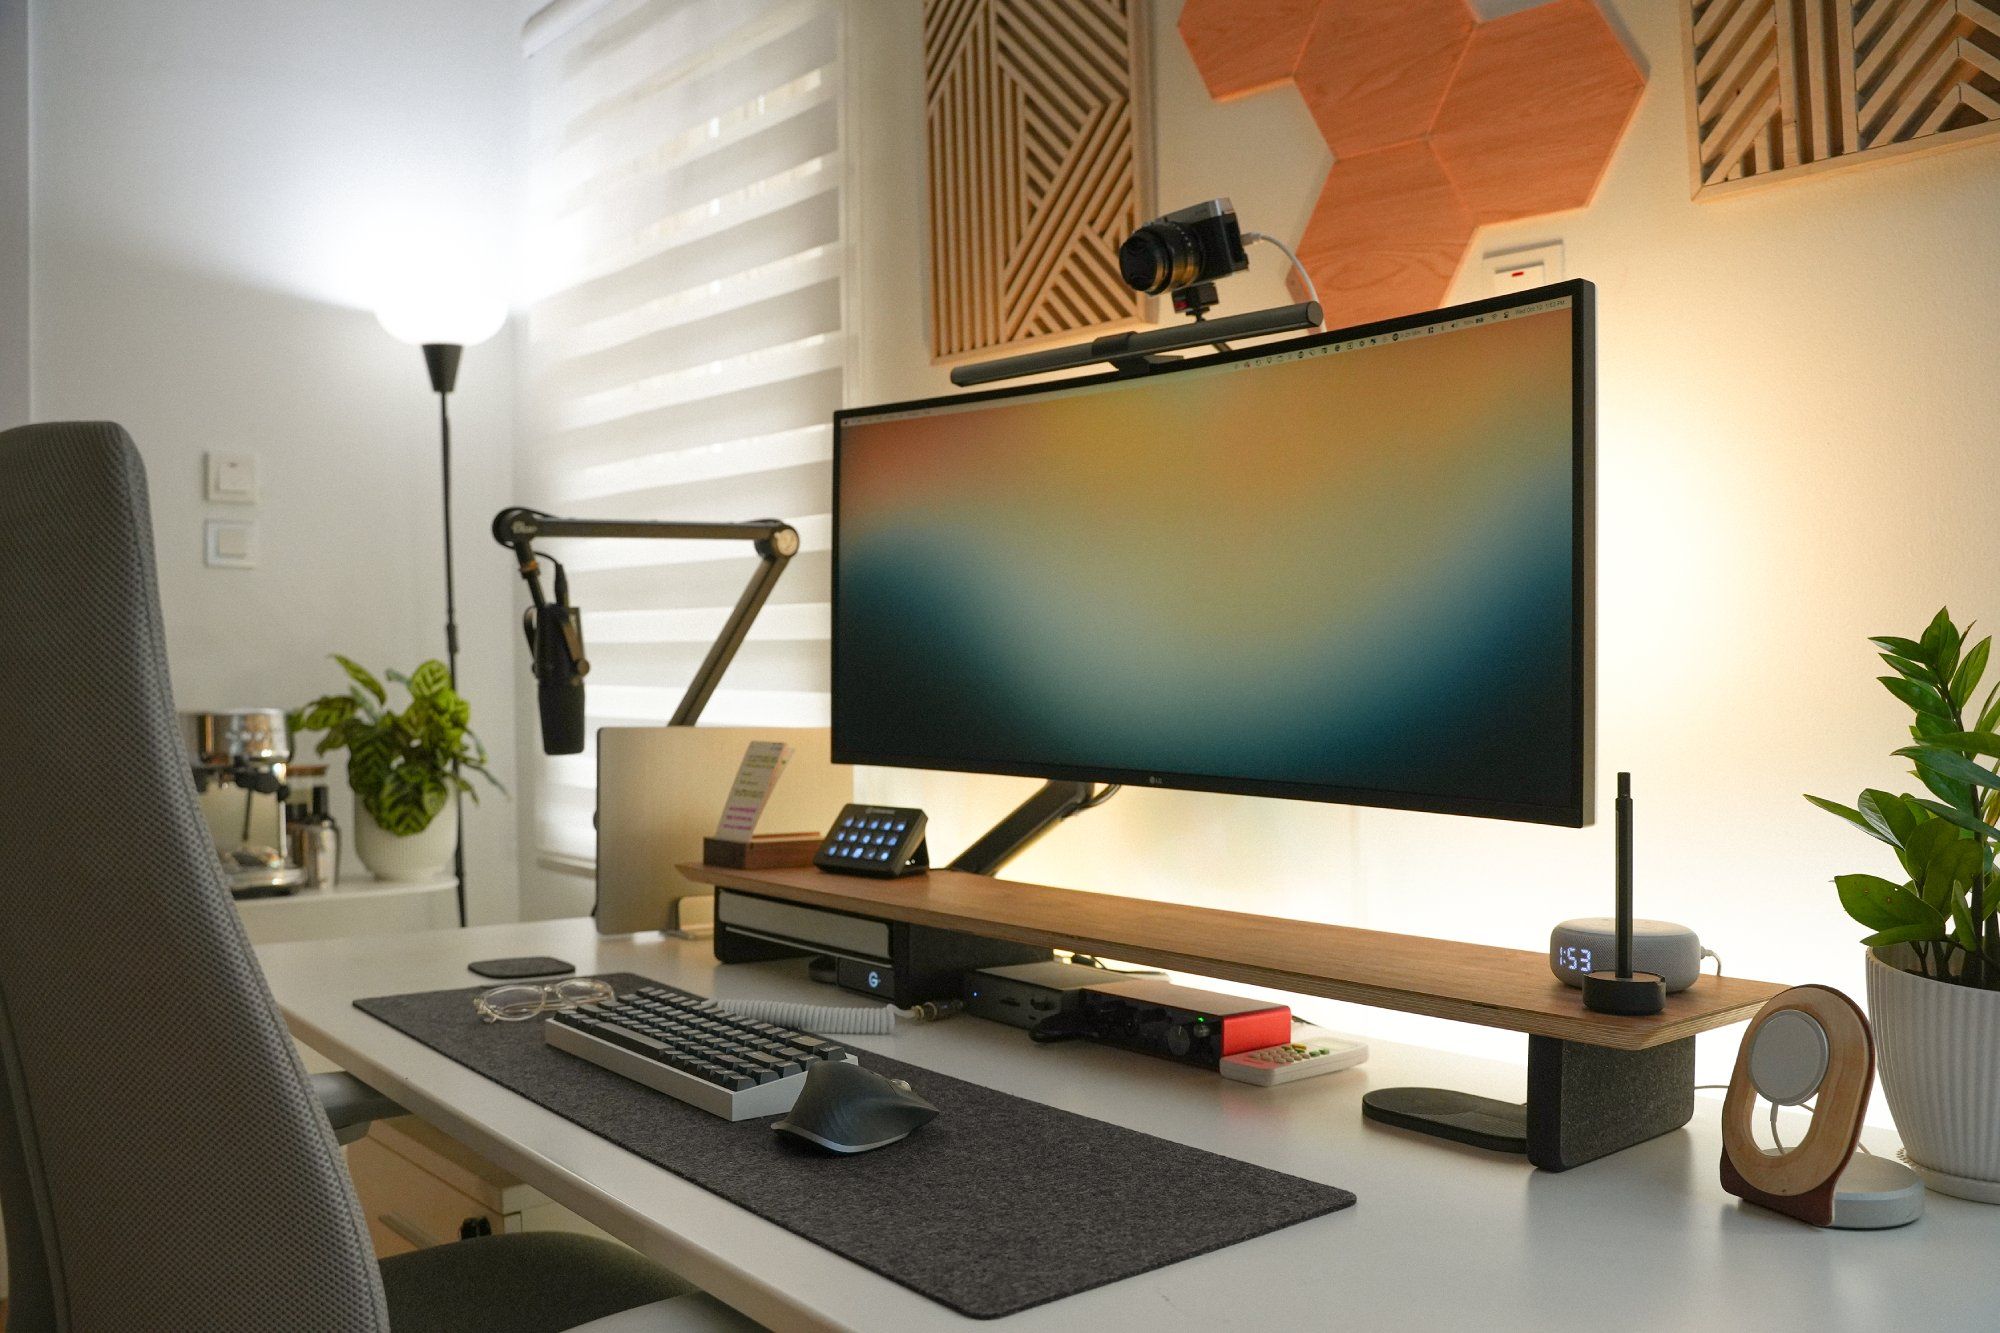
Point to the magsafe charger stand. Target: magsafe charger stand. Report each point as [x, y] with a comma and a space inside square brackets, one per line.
[1813, 1042]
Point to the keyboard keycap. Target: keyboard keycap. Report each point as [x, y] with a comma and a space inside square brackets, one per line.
[630, 1039]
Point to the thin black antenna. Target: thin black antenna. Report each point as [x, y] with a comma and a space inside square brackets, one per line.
[1623, 807]
[1621, 990]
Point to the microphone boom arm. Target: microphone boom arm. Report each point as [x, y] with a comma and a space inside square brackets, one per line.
[776, 543]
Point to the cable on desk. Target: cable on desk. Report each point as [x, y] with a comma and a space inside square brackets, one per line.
[840, 1020]
[832, 1020]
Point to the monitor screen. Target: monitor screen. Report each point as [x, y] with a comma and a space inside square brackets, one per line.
[1351, 567]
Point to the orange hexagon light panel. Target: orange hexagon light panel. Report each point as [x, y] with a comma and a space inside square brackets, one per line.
[1439, 123]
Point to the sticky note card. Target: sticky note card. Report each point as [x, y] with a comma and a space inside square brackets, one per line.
[762, 763]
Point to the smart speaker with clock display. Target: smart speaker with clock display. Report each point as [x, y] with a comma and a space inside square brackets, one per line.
[1578, 948]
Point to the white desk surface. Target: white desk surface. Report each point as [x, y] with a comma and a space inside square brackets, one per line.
[1443, 1236]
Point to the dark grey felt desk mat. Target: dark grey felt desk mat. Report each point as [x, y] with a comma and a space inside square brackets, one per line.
[997, 1205]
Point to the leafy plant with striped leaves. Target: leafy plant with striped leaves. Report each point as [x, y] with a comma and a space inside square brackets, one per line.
[403, 766]
[1948, 910]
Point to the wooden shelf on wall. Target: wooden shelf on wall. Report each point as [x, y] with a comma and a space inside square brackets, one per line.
[1468, 983]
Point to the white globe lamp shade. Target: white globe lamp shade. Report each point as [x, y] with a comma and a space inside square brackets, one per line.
[442, 311]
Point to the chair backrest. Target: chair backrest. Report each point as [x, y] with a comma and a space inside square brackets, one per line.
[163, 1164]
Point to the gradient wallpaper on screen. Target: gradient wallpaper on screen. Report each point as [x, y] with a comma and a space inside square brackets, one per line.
[1346, 570]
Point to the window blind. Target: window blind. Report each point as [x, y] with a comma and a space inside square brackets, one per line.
[685, 345]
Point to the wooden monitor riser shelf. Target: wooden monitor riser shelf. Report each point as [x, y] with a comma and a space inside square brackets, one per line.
[1596, 1082]
[1469, 983]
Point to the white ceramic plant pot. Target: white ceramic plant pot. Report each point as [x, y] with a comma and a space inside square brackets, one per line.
[1937, 1047]
[419, 856]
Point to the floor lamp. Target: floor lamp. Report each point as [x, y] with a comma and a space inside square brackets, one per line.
[444, 331]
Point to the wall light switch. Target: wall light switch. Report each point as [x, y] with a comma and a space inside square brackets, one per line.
[232, 479]
[1519, 270]
[229, 544]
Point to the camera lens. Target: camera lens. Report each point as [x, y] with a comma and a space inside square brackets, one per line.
[1157, 256]
[1143, 261]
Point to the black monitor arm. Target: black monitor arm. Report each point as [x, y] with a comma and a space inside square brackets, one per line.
[776, 542]
[1051, 805]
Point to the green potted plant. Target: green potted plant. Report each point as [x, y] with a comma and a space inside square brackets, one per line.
[403, 767]
[1934, 938]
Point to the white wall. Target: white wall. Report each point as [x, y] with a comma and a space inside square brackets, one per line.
[1796, 408]
[221, 188]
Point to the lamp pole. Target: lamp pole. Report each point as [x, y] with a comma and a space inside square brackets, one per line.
[441, 360]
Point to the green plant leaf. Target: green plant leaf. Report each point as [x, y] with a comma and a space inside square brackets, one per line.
[1966, 742]
[1941, 643]
[1989, 712]
[1959, 795]
[1888, 814]
[361, 676]
[1947, 877]
[1874, 901]
[1919, 696]
[1923, 726]
[1989, 903]
[430, 681]
[1970, 823]
[1848, 813]
[1903, 665]
[328, 711]
[1921, 848]
[370, 758]
[1910, 934]
[1909, 648]
[1950, 764]
[1930, 837]
[1970, 672]
[411, 798]
[480, 769]
[1893, 913]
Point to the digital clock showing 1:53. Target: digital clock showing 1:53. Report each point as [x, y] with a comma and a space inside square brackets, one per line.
[1572, 958]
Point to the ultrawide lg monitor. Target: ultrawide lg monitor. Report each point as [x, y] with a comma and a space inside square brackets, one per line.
[1353, 567]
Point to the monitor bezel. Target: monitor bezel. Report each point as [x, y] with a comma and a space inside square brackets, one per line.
[1583, 405]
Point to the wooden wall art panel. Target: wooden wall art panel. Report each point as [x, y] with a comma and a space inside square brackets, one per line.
[1037, 143]
[1781, 88]
[1438, 123]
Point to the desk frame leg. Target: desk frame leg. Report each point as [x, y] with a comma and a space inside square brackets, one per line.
[1584, 1102]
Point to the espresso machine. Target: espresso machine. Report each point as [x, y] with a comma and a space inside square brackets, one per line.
[240, 760]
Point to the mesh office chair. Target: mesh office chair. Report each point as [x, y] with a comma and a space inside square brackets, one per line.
[164, 1164]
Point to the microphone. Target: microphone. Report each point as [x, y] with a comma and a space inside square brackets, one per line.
[555, 634]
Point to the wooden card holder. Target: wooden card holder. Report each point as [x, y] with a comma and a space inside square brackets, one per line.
[764, 851]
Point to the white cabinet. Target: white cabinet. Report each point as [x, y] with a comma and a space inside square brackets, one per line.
[352, 908]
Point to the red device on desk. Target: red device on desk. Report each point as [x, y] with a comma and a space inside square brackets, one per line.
[1196, 1027]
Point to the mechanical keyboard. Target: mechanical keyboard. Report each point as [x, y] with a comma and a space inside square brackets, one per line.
[686, 1046]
